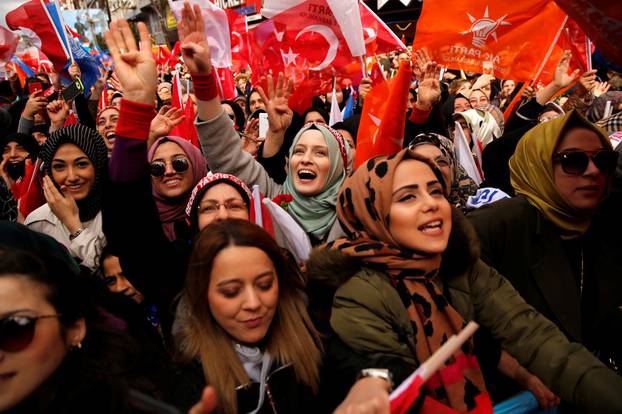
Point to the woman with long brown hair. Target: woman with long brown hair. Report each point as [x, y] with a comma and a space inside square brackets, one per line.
[248, 330]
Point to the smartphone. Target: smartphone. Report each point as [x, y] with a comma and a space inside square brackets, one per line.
[50, 93]
[263, 125]
[34, 87]
[73, 90]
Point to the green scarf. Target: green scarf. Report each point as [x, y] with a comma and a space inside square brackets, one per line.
[317, 214]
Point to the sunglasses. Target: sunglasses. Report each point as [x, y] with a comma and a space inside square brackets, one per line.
[158, 168]
[576, 162]
[17, 332]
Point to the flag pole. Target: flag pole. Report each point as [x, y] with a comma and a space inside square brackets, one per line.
[588, 50]
[363, 66]
[549, 52]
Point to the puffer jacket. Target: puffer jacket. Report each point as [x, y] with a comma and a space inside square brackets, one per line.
[369, 317]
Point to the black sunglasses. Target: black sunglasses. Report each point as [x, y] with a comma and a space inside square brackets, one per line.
[576, 162]
[17, 332]
[158, 168]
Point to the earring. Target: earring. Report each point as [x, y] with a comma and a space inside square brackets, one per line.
[77, 346]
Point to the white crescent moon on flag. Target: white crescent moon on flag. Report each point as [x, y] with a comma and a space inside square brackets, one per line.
[236, 49]
[330, 37]
[371, 34]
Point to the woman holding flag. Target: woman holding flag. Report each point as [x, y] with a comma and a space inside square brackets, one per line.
[317, 159]
[419, 278]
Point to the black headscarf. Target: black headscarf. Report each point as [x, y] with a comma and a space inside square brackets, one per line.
[27, 141]
[93, 145]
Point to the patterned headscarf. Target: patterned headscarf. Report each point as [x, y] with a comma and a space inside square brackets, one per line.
[531, 172]
[363, 210]
[205, 184]
[462, 186]
[173, 210]
[93, 145]
[317, 214]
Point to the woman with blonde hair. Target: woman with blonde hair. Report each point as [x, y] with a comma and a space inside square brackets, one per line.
[248, 333]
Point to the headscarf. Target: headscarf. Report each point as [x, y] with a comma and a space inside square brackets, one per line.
[27, 141]
[482, 125]
[462, 186]
[205, 184]
[531, 172]
[173, 210]
[317, 214]
[448, 107]
[93, 145]
[597, 111]
[497, 114]
[363, 210]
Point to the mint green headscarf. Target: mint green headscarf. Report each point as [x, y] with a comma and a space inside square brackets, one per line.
[317, 214]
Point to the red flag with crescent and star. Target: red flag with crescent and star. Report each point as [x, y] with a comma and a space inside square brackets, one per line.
[238, 30]
[306, 43]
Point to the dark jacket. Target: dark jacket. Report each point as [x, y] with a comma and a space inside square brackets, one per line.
[527, 249]
[369, 316]
[283, 393]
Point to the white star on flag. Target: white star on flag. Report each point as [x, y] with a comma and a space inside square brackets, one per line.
[289, 57]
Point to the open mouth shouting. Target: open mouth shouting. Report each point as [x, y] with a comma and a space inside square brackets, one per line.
[306, 176]
[433, 227]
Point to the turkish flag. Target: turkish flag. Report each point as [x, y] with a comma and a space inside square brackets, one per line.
[173, 59]
[381, 130]
[8, 44]
[161, 54]
[306, 43]
[37, 16]
[240, 52]
[514, 36]
[227, 84]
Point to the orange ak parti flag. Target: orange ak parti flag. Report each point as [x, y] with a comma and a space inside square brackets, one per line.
[511, 36]
[381, 131]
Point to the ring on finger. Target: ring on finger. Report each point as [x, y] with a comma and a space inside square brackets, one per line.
[123, 50]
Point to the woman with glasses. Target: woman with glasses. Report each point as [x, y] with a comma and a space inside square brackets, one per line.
[318, 157]
[408, 275]
[75, 161]
[59, 352]
[551, 242]
[175, 166]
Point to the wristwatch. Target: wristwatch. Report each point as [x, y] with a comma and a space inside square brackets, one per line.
[76, 233]
[385, 374]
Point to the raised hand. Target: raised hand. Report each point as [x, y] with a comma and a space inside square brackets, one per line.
[421, 60]
[58, 111]
[35, 104]
[588, 80]
[163, 123]
[364, 88]
[74, 71]
[208, 402]
[279, 114]
[63, 206]
[135, 69]
[429, 90]
[4, 174]
[600, 88]
[193, 40]
[561, 78]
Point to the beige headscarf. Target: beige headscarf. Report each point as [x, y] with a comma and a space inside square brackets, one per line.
[531, 172]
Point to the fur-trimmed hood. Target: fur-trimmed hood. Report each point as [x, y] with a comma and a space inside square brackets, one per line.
[331, 268]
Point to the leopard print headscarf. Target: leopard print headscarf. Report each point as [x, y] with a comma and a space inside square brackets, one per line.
[363, 209]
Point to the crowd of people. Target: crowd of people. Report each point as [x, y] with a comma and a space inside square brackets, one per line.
[264, 273]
